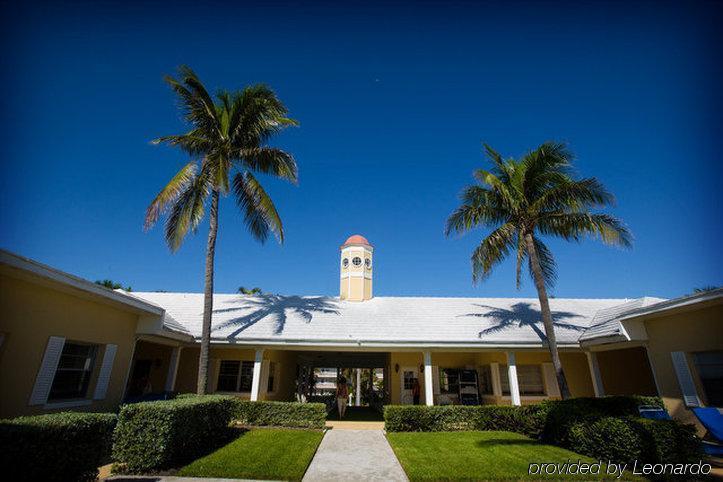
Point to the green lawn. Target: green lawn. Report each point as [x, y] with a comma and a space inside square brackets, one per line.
[476, 456]
[260, 454]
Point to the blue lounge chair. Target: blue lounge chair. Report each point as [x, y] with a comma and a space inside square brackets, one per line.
[653, 412]
[712, 420]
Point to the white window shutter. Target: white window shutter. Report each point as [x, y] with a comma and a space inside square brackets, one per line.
[435, 379]
[685, 379]
[101, 386]
[44, 379]
[264, 377]
[548, 372]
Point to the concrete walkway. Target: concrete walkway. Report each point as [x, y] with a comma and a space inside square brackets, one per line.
[354, 455]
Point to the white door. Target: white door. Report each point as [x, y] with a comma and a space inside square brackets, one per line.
[408, 375]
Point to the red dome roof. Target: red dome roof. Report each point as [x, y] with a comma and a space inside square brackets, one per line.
[356, 239]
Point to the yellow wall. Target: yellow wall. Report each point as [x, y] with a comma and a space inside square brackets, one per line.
[574, 364]
[187, 374]
[160, 356]
[693, 331]
[626, 372]
[30, 314]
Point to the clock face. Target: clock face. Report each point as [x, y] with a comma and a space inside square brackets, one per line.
[357, 261]
[345, 262]
[368, 263]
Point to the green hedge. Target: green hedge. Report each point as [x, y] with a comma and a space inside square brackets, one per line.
[60, 446]
[158, 435]
[280, 414]
[627, 439]
[607, 428]
[528, 419]
[563, 414]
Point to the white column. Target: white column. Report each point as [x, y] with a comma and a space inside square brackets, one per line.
[512, 377]
[358, 387]
[428, 388]
[256, 380]
[597, 384]
[173, 368]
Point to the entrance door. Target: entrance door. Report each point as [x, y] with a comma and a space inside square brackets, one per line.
[139, 378]
[409, 374]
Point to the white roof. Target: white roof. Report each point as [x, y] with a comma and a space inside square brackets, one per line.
[321, 320]
[606, 322]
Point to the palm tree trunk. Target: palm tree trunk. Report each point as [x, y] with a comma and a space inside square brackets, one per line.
[546, 315]
[202, 384]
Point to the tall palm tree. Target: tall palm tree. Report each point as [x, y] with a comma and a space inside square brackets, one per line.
[227, 146]
[523, 200]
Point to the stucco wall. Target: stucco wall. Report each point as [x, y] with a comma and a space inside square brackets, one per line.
[626, 372]
[574, 364]
[690, 332]
[29, 314]
[285, 362]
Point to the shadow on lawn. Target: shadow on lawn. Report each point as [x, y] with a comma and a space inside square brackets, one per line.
[504, 441]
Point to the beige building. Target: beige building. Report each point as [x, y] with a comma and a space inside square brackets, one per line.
[459, 350]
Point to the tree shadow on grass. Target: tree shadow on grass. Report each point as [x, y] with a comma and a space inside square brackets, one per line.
[523, 315]
[493, 442]
[277, 307]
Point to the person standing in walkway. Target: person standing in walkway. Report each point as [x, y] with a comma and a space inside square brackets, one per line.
[415, 391]
[342, 396]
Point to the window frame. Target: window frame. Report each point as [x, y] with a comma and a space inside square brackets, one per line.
[705, 381]
[87, 372]
[524, 392]
[243, 367]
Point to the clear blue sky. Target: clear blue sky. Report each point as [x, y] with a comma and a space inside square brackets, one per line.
[394, 103]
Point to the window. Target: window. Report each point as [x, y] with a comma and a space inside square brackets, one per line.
[409, 377]
[356, 261]
[74, 370]
[529, 377]
[448, 380]
[709, 365]
[368, 263]
[235, 376]
[272, 373]
[345, 262]
[485, 380]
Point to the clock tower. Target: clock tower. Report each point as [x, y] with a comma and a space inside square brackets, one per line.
[356, 269]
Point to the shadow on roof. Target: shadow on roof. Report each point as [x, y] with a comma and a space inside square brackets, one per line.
[523, 315]
[277, 307]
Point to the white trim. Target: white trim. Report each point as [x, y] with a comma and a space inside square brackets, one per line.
[82, 402]
[428, 380]
[681, 302]
[46, 372]
[256, 378]
[411, 344]
[173, 368]
[652, 370]
[685, 379]
[597, 384]
[512, 378]
[356, 274]
[106, 369]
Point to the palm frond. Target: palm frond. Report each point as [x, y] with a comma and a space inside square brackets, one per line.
[492, 251]
[170, 193]
[480, 207]
[259, 211]
[188, 209]
[574, 196]
[576, 225]
[270, 160]
[547, 262]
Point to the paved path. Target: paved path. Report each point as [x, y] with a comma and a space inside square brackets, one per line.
[359, 455]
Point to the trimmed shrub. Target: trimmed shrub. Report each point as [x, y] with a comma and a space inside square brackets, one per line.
[562, 415]
[168, 433]
[59, 446]
[628, 439]
[528, 419]
[280, 414]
